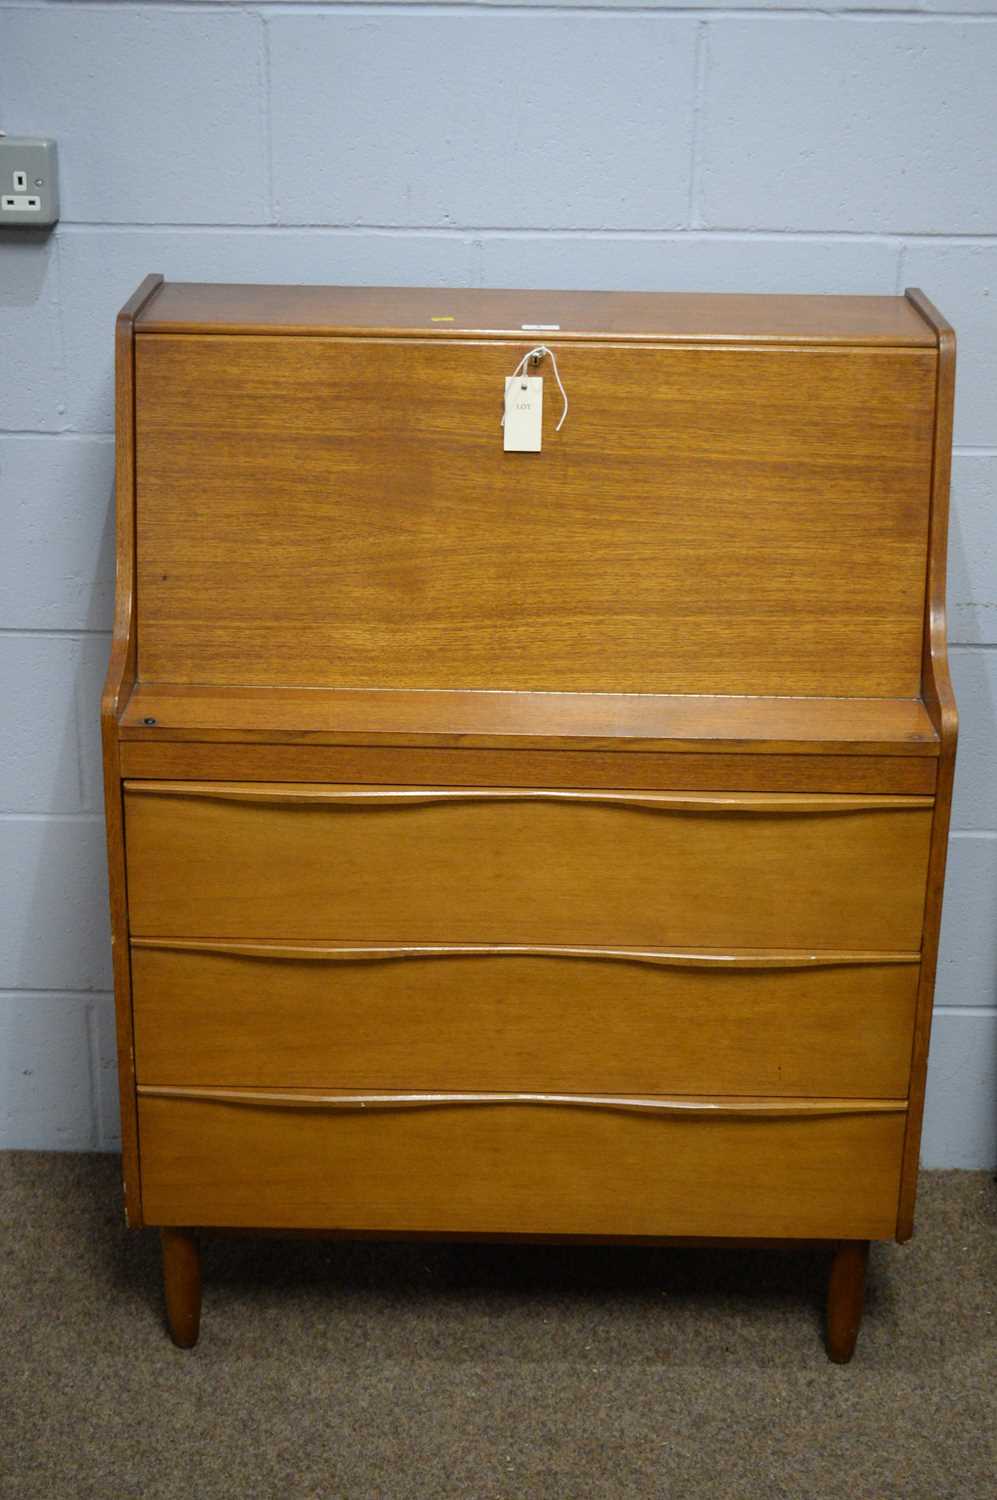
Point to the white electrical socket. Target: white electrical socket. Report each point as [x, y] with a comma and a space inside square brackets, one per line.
[29, 183]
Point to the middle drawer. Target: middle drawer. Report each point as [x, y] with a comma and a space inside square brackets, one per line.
[271, 1015]
[486, 865]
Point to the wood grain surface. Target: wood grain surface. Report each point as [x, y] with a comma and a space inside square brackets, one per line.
[192, 307]
[543, 1168]
[269, 1015]
[483, 867]
[340, 513]
[169, 760]
[940, 701]
[118, 685]
[632, 722]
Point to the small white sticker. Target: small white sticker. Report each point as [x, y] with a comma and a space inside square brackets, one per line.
[523, 425]
[540, 327]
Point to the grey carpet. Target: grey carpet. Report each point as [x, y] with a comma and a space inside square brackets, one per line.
[332, 1371]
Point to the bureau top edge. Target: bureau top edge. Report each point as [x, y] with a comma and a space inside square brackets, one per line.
[428, 312]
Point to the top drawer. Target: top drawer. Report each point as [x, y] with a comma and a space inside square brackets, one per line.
[746, 870]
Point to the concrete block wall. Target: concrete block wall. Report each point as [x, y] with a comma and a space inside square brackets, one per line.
[778, 146]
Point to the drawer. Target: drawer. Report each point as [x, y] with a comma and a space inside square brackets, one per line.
[557, 1165]
[501, 1018]
[491, 865]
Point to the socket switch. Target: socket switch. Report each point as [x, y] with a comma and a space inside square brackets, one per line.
[29, 182]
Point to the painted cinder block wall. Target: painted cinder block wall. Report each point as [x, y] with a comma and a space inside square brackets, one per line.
[757, 147]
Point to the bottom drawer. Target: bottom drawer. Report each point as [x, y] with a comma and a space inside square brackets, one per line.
[561, 1166]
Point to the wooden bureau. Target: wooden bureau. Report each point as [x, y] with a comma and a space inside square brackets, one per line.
[527, 843]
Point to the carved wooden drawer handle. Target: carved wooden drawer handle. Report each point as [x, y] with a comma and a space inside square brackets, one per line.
[298, 794]
[666, 959]
[652, 1105]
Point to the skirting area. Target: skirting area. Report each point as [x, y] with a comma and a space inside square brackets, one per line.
[416, 1372]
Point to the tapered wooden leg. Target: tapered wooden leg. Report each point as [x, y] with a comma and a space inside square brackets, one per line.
[182, 1283]
[845, 1299]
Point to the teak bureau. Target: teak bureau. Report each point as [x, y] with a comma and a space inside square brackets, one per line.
[528, 843]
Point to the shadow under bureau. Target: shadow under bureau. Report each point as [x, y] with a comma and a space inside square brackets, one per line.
[539, 843]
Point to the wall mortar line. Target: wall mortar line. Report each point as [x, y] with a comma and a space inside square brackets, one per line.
[700, 62]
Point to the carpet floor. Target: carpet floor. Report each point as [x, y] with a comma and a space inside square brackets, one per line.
[346, 1371]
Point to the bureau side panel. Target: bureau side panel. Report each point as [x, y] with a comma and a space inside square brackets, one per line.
[940, 702]
[340, 512]
[118, 685]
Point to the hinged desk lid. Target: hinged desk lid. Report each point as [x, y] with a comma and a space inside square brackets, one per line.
[726, 516]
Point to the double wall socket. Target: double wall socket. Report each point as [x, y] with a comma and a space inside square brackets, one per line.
[29, 183]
